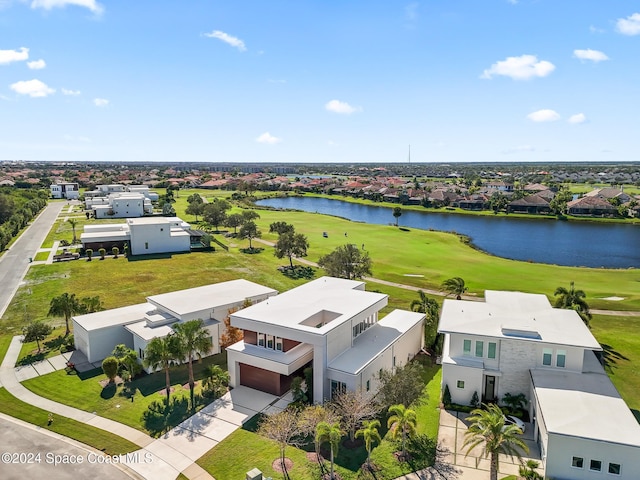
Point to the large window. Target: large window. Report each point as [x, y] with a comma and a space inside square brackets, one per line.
[466, 347]
[491, 353]
[479, 349]
[577, 462]
[561, 357]
[547, 353]
[614, 468]
[337, 387]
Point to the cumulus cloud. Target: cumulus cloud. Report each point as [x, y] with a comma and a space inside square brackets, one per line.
[8, 56]
[228, 39]
[629, 25]
[588, 54]
[92, 5]
[577, 118]
[336, 106]
[100, 102]
[74, 93]
[523, 67]
[36, 64]
[267, 138]
[33, 88]
[544, 115]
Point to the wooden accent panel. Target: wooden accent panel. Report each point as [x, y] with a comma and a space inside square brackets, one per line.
[288, 344]
[250, 337]
[260, 379]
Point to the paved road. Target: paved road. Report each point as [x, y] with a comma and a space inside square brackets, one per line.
[21, 444]
[15, 262]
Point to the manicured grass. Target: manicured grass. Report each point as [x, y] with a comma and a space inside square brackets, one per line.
[223, 461]
[53, 345]
[41, 257]
[99, 439]
[123, 404]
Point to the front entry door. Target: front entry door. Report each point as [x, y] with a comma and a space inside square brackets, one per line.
[490, 388]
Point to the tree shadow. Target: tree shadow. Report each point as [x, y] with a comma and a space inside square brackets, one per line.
[636, 413]
[159, 417]
[55, 343]
[609, 357]
[33, 358]
[109, 391]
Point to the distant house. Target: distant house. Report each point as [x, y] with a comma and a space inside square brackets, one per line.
[530, 204]
[609, 193]
[516, 343]
[329, 324]
[96, 334]
[594, 206]
[68, 190]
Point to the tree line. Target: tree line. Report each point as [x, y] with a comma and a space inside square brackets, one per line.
[17, 208]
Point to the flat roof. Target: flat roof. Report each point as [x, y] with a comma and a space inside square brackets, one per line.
[584, 405]
[209, 296]
[144, 331]
[516, 315]
[148, 221]
[328, 301]
[104, 236]
[113, 317]
[375, 340]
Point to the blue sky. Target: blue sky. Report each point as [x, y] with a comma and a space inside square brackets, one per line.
[320, 81]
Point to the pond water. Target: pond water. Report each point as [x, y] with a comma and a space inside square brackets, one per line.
[588, 244]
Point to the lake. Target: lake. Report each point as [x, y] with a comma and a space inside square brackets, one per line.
[580, 244]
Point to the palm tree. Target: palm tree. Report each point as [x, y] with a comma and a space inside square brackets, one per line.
[161, 352]
[329, 433]
[455, 286]
[370, 434]
[431, 309]
[397, 213]
[528, 470]
[65, 305]
[73, 222]
[193, 340]
[573, 299]
[402, 423]
[488, 429]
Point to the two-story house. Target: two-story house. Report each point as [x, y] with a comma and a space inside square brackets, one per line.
[518, 343]
[329, 324]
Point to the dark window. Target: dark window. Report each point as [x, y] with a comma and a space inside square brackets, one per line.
[460, 384]
[614, 468]
[577, 462]
[595, 465]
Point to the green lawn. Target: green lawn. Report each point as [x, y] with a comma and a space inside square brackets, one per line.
[99, 439]
[224, 463]
[124, 404]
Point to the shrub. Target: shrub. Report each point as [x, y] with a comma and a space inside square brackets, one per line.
[446, 396]
[89, 253]
[110, 368]
[102, 252]
[475, 401]
[115, 251]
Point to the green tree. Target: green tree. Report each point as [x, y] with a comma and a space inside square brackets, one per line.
[233, 221]
[281, 227]
[528, 470]
[404, 385]
[249, 216]
[454, 286]
[110, 368]
[162, 353]
[329, 433]
[402, 424]
[290, 244]
[397, 213]
[215, 213]
[431, 309]
[73, 222]
[346, 261]
[369, 432]
[127, 358]
[573, 299]
[65, 305]
[195, 208]
[250, 230]
[193, 340]
[36, 331]
[91, 305]
[487, 429]
[195, 198]
[215, 381]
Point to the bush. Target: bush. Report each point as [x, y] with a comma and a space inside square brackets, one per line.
[446, 396]
[475, 401]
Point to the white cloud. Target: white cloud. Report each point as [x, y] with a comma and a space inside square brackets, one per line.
[520, 68]
[74, 93]
[336, 106]
[629, 25]
[267, 138]
[588, 54]
[228, 39]
[577, 118]
[92, 5]
[411, 11]
[33, 88]
[36, 64]
[100, 102]
[8, 56]
[593, 29]
[513, 2]
[544, 115]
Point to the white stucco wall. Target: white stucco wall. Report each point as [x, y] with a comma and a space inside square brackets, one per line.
[103, 341]
[472, 378]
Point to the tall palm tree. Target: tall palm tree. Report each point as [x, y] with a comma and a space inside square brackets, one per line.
[431, 309]
[488, 429]
[73, 222]
[162, 352]
[455, 286]
[369, 432]
[331, 433]
[397, 213]
[193, 340]
[402, 423]
[65, 305]
[573, 299]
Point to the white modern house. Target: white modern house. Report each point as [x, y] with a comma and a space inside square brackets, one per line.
[146, 235]
[68, 190]
[515, 343]
[96, 334]
[119, 205]
[329, 324]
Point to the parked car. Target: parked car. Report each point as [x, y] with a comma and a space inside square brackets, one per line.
[511, 420]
